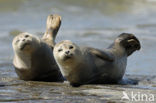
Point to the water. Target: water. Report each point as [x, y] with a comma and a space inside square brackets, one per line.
[86, 22]
[94, 23]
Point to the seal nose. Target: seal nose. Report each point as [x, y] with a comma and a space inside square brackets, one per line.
[67, 52]
[23, 39]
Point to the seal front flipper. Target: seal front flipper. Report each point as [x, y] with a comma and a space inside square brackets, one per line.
[105, 55]
[52, 27]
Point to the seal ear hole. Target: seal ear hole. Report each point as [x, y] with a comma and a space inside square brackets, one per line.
[60, 50]
[71, 47]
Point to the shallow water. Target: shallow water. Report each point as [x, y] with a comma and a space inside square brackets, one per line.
[93, 23]
[86, 22]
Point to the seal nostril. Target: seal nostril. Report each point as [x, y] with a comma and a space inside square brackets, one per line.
[67, 52]
[23, 40]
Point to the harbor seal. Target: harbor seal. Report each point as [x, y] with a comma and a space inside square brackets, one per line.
[86, 65]
[33, 56]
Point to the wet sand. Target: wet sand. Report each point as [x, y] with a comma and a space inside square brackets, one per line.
[14, 90]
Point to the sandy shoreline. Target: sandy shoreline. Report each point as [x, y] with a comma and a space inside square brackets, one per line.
[21, 91]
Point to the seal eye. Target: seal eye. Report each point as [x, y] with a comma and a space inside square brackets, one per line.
[17, 41]
[26, 36]
[71, 47]
[60, 50]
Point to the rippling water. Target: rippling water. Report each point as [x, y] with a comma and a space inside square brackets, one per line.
[93, 23]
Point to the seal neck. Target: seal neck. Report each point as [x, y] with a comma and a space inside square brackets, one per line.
[118, 49]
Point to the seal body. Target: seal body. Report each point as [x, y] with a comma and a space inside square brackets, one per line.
[86, 65]
[33, 59]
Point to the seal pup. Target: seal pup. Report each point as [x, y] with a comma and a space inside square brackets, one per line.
[86, 65]
[33, 57]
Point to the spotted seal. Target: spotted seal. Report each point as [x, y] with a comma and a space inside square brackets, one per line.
[86, 65]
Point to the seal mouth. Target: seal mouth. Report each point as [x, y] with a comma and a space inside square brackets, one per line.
[24, 45]
[67, 57]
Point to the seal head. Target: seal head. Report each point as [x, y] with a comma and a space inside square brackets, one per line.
[129, 42]
[25, 42]
[66, 51]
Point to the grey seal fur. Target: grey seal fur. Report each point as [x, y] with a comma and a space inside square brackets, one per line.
[86, 65]
[33, 56]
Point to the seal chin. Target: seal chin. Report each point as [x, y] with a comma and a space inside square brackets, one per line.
[67, 57]
[24, 45]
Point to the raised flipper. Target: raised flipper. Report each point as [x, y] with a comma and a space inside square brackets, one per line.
[52, 27]
[105, 55]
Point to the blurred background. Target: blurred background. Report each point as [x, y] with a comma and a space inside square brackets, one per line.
[94, 23]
